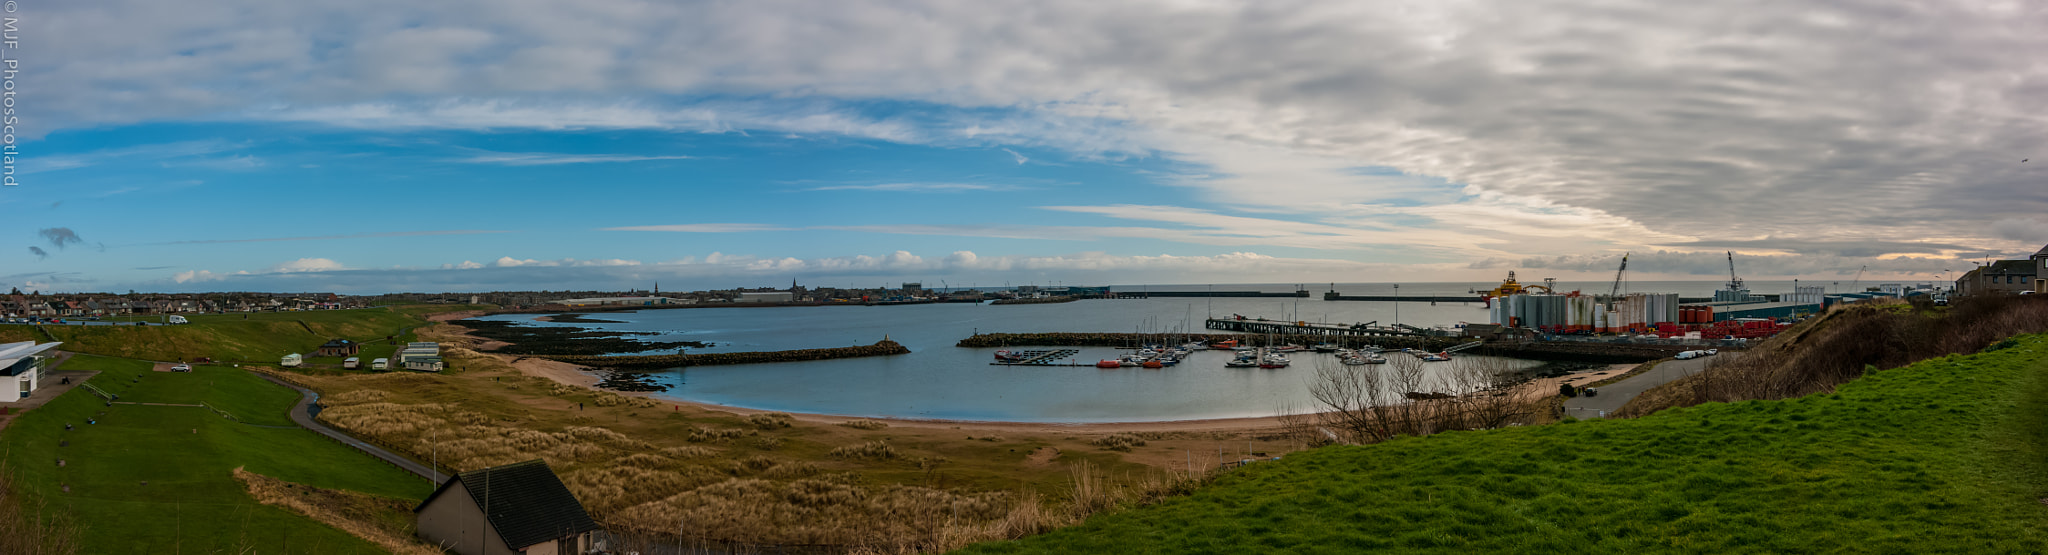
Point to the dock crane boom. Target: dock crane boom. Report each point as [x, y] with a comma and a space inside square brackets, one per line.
[1859, 278]
[1616, 290]
[1734, 283]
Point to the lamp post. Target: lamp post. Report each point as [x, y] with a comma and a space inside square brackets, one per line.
[1397, 304]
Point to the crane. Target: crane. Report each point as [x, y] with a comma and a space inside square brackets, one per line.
[1859, 278]
[1734, 283]
[1614, 292]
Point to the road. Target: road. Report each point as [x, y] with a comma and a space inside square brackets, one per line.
[303, 415]
[1613, 396]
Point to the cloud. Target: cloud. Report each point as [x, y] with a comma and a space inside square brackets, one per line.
[702, 228]
[1596, 126]
[60, 236]
[333, 237]
[547, 159]
[1021, 159]
[918, 187]
[39, 252]
[306, 265]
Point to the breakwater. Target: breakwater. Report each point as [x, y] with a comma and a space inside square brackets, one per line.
[564, 340]
[1038, 300]
[649, 362]
[1111, 339]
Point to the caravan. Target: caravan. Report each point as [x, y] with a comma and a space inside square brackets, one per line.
[351, 363]
[291, 361]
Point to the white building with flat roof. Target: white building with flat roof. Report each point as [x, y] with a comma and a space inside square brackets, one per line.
[21, 369]
[616, 301]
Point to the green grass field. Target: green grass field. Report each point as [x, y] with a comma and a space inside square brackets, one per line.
[257, 337]
[191, 503]
[1947, 455]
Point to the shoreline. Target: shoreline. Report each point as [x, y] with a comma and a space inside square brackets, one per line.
[571, 374]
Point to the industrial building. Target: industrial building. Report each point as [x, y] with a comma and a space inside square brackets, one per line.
[1572, 313]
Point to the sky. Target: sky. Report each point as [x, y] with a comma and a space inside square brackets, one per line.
[470, 145]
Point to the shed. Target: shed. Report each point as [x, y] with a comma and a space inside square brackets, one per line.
[337, 348]
[515, 508]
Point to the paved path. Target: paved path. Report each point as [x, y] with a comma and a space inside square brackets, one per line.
[1613, 396]
[302, 413]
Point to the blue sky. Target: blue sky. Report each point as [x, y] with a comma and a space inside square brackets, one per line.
[379, 146]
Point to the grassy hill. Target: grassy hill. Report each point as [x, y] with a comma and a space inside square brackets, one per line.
[1946, 455]
[260, 337]
[191, 502]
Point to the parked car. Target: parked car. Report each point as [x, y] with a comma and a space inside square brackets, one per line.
[1687, 355]
[1712, 352]
[182, 367]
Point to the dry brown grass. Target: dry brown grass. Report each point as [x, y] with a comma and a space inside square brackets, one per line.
[763, 480]
[27, 527]
[869, 450]
[771, 420]
[1118, 442]
[355, 513]
[865, 424]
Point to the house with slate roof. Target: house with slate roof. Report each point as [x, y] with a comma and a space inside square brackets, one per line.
[2006, 276]
[510, 509]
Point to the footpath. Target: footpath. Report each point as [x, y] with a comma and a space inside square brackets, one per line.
[1614, 395]
[302, 413]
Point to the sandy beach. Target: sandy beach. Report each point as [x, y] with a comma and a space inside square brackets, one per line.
[574, 375]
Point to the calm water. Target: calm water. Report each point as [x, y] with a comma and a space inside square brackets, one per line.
[939, 380]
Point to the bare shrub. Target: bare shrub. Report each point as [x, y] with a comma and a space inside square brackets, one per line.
[752, 464]
[354, 397]
[768, 443]
[770, 420]
[689, 452]
[791, 470]
[1118, 442]
[869, 450]
[865, 424]
[701, 436]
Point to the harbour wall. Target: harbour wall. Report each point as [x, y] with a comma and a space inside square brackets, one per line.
[649, 362]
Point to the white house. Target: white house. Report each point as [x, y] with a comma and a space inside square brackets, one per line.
[21, 369]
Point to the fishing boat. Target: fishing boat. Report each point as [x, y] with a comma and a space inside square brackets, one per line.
[1326, 347]
[1224, 345]
[1154, 363]
[1436, 357]
[1008, 356]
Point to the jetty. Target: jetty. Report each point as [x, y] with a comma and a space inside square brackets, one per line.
[1262, 326]
[1044, 358]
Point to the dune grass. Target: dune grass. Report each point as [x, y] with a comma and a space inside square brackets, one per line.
[1946, 455]
[192, 503]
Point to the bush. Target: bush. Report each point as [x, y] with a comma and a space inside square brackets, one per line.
[768, 443]
[869, 450]
[1118, 442]
[770, 421]
[865, 424]
[701, 436]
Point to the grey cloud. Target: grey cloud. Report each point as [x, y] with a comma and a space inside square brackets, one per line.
[1822, 122]
[39, 252]
[1853, 249]
[60, 236]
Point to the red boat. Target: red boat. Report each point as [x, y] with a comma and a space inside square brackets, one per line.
[1110, 364]
[1153, 364]
[1007, 356]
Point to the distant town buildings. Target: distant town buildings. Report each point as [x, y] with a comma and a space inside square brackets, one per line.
[2007, 276]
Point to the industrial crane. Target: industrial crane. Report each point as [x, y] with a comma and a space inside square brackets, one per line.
[1859, 278]
[1734, 283]
[1614, 293]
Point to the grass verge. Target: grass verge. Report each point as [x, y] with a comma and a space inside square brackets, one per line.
[1946, 455]
[157, 479]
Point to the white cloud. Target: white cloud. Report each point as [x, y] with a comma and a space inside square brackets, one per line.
[307, 265]
[548, 159]
[701, 228]
[917, 187]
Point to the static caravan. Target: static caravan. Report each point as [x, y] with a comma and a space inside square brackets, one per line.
[428, 364]
[380, 364]
[292, 360]
[176, 319]
[351, 363]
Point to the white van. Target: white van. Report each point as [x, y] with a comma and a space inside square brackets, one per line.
[351, 363]
[291, 361]
[380, 364]
[176, 319]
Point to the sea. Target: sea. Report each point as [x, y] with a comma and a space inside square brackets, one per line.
[939, 380]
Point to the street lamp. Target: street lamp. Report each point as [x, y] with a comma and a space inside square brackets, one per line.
[1397, 304]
